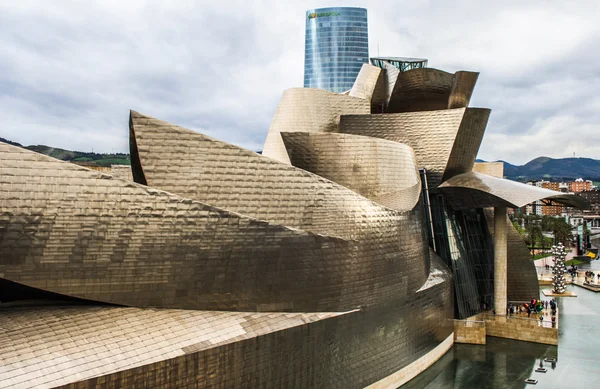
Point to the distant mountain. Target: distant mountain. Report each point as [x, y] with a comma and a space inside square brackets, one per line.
[540, 168]
[79, 157]
[546, 168]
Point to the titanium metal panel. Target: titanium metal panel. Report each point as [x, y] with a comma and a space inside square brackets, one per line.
[383, 171]
[198, 167]
[462, 89]
[429, 89]
[474, 189]
[445, 142]
[371, 84]
[309, 110]
[82, 342]
[200, 349]
[73, 231]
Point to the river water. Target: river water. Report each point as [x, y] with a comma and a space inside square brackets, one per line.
[504, 363]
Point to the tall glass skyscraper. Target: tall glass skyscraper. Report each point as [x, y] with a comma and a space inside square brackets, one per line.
[336, 47]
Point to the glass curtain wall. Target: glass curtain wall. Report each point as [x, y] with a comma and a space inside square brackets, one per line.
[463, 241]
[336, 47]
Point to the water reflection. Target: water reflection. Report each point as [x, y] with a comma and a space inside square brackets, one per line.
[501, 363]
[504, 363]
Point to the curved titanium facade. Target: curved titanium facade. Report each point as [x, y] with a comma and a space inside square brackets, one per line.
[309, 110]
[109, 240]
[336, 46]
[306, 267]
[445, 141]
[93, 236]
[429, 89]
[383, 171]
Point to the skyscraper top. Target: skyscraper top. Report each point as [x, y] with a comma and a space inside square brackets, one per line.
[336, 46]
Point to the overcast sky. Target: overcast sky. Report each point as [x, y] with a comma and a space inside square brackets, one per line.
[71, 70]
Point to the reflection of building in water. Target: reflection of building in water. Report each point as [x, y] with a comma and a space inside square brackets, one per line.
[500, 363]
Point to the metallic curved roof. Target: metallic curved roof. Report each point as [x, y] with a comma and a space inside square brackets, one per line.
[478, 190]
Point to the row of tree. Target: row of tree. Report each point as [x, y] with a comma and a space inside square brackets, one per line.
[532, 228]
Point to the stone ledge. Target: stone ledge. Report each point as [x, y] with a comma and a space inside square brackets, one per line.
[550, 293]
[409, 372]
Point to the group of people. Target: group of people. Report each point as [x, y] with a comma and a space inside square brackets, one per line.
[590, 277]
[573, 271]
[536, 307]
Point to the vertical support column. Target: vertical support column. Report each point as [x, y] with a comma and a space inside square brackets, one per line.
[500, 261]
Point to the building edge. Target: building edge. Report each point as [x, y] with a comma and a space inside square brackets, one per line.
[407, 373]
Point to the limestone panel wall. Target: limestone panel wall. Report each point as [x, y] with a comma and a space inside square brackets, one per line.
[309, 110]
[69, 230]
[494, 169]
[520, 329]
[442, 140]
[469, 331]
[383, 171]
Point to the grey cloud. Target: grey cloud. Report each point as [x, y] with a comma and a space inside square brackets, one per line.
[71, 70]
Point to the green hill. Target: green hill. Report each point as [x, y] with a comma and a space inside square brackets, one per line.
[81, 157]
[556, 169]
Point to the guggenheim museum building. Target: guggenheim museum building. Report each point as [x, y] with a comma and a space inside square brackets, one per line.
[339, 258]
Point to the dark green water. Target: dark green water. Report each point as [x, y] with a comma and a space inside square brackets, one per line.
[504, 363]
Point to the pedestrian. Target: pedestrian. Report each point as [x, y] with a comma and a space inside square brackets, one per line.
[553, 321]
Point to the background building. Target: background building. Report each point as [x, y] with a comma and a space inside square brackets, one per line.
[579, 185]
[336, 47]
